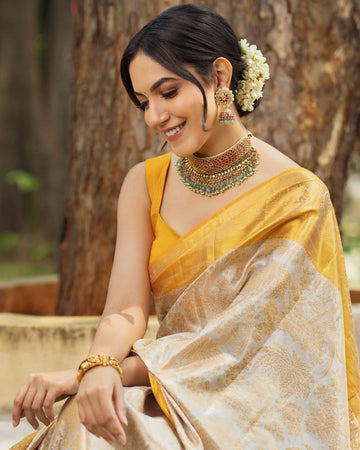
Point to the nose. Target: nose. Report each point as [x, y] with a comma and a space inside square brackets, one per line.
[156, 115]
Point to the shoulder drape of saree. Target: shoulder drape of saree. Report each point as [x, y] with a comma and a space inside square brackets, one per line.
[256, 342]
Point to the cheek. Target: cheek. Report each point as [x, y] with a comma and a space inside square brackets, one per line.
[189, 102]
[196, 111]
[146, 118]
[212, 112]
[189, 105]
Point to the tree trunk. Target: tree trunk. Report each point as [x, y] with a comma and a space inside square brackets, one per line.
[108, 137]
[313, 96]
[310, 112]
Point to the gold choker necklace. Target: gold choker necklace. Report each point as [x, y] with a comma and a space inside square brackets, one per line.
[213, 175]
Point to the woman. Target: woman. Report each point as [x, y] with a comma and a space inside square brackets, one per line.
[240, 248]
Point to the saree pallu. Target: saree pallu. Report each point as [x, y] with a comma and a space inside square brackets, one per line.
[256, 347]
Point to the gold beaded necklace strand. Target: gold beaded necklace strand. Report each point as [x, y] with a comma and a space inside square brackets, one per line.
[213, 175]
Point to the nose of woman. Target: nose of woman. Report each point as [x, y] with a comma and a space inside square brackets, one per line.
[156, 116]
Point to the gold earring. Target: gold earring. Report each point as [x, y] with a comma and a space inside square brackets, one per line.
[224, 98]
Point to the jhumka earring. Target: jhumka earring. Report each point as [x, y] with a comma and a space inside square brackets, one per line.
[224, 98]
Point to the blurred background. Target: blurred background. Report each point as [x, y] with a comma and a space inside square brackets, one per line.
[35, 78]
[36, 42]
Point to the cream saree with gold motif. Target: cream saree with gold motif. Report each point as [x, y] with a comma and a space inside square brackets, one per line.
[256, 347]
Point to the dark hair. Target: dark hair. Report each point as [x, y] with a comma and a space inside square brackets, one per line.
[183, 36]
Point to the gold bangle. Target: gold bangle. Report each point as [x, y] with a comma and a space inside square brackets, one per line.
[98, 360]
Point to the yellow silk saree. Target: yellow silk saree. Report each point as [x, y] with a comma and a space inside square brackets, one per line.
[256, 347]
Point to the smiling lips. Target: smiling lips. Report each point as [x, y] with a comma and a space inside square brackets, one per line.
[175, 130]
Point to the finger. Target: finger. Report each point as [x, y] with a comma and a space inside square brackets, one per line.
[48, 405]
[104, 433]
[103, 414]
[120, 410]
[119, 404]
[37, 407]
[27, 408]
[109, 419]
[18, 412]
[88, 419]
[86, 414]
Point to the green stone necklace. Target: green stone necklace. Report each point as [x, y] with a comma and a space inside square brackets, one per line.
[213, 175]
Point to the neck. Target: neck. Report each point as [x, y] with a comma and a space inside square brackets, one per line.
[224, 137]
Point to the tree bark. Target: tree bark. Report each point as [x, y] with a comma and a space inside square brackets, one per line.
[313, 96]
[310, 112]
[108, 137]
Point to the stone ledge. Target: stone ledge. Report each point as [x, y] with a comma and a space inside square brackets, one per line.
[35, 295]
[43, 343]
[38, 295]
[355, 294]
[32, 295]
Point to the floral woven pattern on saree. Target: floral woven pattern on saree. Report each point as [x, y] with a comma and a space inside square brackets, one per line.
[256, 345]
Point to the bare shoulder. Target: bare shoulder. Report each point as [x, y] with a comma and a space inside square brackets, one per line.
[129, 276]
[134, 187]
[134, 224]
[272, 160]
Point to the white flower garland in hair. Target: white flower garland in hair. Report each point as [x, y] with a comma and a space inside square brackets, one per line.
[256, 71]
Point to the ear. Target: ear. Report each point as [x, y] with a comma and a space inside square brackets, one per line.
[223, 72]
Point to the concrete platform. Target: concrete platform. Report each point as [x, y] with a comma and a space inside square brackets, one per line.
[9, 435]
[42, 344]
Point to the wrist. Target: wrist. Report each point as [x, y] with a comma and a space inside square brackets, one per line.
[97, 360]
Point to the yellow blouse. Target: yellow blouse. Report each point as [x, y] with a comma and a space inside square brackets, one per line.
[165, 237]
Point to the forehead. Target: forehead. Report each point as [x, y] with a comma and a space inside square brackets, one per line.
[145, 71]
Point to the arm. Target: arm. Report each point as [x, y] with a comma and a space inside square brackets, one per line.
[124, 319]
[126, 311]
[100, 397]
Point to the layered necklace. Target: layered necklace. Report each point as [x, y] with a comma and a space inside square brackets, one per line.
[213, 175]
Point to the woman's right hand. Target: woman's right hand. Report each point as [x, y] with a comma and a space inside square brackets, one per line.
[35, 399]
[101, 404]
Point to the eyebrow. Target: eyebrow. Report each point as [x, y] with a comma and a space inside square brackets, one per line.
[157, 84]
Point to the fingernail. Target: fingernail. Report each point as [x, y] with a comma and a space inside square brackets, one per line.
[121, 438]
[124, 419]
[14, 423]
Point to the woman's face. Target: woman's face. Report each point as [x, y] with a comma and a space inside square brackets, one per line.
[173, 107]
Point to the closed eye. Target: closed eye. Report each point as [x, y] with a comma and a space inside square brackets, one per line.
[170, 94]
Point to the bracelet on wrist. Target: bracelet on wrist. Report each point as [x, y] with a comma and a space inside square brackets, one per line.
[98, 360]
